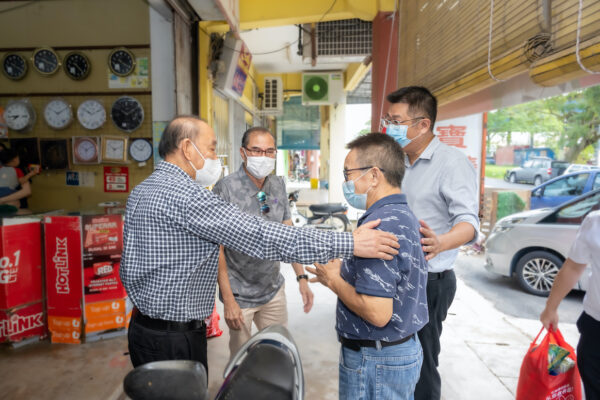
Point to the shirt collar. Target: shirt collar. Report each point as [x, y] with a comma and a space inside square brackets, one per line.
[427, 153]
[172, 169]
[391, 199]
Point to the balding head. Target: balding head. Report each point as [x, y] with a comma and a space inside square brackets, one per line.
[183, 127]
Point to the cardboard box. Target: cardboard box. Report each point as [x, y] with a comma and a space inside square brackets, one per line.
[22, 322]
[107, 315]
[65, 329]
[83, 255]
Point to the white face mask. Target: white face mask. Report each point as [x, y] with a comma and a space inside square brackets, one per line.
[259, 167]
[210, 173]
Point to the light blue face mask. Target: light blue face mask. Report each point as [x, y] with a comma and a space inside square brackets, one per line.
[398, 133]
[354, 199]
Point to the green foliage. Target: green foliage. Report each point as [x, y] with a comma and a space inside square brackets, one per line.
[496, 171]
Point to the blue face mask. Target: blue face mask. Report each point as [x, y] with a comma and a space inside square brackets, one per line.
[398, 133]
[355, 200]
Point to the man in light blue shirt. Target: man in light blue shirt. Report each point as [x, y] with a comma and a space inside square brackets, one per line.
[441, 187]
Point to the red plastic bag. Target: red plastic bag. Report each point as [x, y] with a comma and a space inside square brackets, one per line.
[535, 383]
[212, 324]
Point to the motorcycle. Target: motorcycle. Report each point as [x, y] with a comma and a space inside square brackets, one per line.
[267, 366]
[328, 216]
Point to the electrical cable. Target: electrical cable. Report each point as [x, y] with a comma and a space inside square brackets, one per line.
[489, 59]
[577, 43]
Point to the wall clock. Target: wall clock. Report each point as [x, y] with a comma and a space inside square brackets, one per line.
[76, 65]
[114, 149]
[91, 114]
[58, 114]
[140, 150]
[45, 61]
[19, 115]
[127, 113]
[121, 61]
[86, 150]
[54, 154]
[14, 66]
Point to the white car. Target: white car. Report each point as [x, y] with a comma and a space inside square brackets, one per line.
[533, 245]
[579, 167]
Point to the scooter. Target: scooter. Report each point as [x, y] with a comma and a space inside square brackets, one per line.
[267, 366]
[328, 216]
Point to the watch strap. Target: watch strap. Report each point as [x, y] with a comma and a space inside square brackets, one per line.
[302, 276]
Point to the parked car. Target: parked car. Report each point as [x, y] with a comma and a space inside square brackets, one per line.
[564, 188]
[490, 160]
[532, 245]
[536, 170]
[579, 167]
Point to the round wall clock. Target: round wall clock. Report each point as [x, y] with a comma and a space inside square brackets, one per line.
[121, 61]
[58, 114]
[19, 115]
[14, 66]
[76, 65]
[140, 150]
[45, 61]
[127, 113]
[85, 150]
[91, 114]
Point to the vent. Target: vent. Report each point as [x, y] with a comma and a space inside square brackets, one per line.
[273, 96]
[348, 40]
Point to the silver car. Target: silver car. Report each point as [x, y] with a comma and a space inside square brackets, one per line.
[533, 245]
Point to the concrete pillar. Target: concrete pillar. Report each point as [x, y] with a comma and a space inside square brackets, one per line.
[337, 152]
[162, 59]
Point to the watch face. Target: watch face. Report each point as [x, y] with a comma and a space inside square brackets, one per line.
[45, 61]
[14, 66]
[19, 115]
[140, 150]
[76, 65]
[127, 113]
[58, 114]
[85, 150]
[91, 114]
[114, 149]
[121, 61]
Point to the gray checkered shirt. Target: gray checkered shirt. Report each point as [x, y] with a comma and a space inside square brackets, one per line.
[173, 228]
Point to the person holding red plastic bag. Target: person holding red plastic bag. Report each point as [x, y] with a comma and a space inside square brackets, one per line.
[585, 250]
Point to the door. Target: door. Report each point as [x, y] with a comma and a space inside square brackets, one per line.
[560, 191]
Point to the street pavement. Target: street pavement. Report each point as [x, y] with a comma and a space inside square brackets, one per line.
[494, 183]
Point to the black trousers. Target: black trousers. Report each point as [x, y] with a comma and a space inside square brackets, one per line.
[147, 345]
[588, 355]
[440, 294]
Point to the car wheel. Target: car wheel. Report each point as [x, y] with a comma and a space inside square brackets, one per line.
[536, 272]
[512, 178]
[537, 181]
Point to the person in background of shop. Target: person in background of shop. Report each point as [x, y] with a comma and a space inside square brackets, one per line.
[584, 250]
[441, 186]
[172, 231]
[14, 185]
[253, 289]
[381, 304]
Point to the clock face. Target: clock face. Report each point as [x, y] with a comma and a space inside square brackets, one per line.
[45, 61]
[114, 149]
[58, 114]
[121, 61]
[85, 150]
[76, 65]
[19, 115]
[140, 150]
[127, 113]
[91, 114]
[14, 66]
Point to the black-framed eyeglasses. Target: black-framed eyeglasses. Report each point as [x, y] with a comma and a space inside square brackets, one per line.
[262, 199]
[386, 121]
[357, 169]
[255, 151]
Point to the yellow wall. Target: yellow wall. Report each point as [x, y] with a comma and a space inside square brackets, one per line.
[93, 27]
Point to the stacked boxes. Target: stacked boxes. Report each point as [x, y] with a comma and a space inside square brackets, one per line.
[84, 292]
[21, 293]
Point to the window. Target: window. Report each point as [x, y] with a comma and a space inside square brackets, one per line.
[538, 164]
[575, 213]
[571, 186]
[528, 164]
[596, 182]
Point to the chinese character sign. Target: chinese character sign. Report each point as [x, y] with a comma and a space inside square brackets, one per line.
[464, 133]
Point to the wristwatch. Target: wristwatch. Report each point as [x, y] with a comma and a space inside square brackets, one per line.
[303, 276]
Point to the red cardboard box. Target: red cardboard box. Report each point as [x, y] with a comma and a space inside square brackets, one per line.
[83, 255]
[22, 322]
[20, 262]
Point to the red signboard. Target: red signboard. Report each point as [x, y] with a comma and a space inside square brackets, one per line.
[20, 263]
[116, 179]
[22, 322]
[64, 289]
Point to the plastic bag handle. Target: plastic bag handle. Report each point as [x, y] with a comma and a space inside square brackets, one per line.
[538, 335]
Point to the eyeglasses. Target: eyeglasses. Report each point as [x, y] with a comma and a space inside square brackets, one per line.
[262, 199]
[385, 121]
[357, 169]
[255, 151]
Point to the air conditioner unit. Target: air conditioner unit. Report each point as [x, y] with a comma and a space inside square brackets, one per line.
[234, 66]
[272, 103]
[322, 88]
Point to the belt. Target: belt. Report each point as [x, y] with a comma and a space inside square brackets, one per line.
[163, 325]
[434, 276]
[357, 344]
